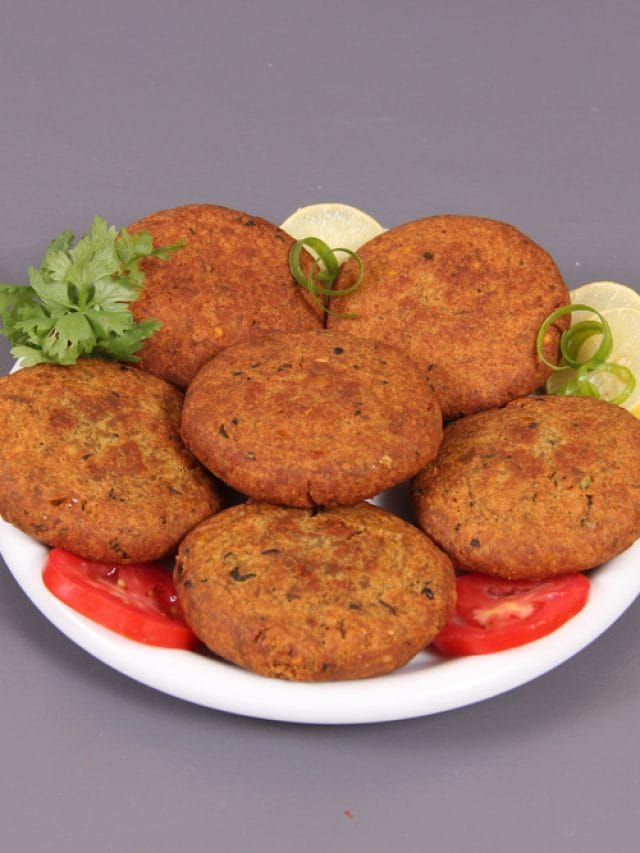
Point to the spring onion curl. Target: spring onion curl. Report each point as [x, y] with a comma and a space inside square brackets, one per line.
[326, 274]
[622, 373]
[571, 342]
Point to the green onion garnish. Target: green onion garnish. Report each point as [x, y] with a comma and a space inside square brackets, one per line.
[622, 373]
[571, 342]
[322, 275]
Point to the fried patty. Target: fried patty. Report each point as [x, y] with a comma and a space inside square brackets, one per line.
[91, 460]
[464, 297]
[542, 487]
[230, 280]
[311, 418]
[313, 595]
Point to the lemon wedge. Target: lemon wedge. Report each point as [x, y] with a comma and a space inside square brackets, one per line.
[625, 329]
[339, 225]
[603, 295]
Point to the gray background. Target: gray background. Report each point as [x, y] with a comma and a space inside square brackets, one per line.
[523, 111]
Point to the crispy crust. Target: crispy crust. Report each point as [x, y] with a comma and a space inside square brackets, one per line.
[311, 418]
[312, 595]
[465, 297]
[230, 280]
[545, 486]
[92, 461]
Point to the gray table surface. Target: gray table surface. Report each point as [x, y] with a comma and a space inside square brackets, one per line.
[526, 112]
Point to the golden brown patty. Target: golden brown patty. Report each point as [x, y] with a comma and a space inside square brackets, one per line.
[313, 595]
[311, 418]
[464, 297]
[545, 486]
[91, 460]
[230, 280]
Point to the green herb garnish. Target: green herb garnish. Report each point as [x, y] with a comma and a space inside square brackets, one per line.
[324, 271]
[77, 302]
[571, 343]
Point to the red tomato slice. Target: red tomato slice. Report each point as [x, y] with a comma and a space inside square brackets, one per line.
[494, 614]
[137, 600]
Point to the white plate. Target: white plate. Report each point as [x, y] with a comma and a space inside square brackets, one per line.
[427, 685]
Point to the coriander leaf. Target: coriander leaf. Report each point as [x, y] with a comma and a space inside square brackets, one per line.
[12, 296]
[165, 252]
[62, 244]
[32, 325]
[132, 246]
[103, 233]
[28, 355]
[146, 328]
[135, 277]
[54, 293]
[110, 294]
[104, 262]
[70, 337]
[57, 265]
[105, 323]
[122, 347]
[77, 301]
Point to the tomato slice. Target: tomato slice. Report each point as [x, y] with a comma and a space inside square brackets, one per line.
[137, 600]
[494, 614]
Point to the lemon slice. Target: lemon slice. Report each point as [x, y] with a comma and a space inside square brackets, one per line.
[339, 225]
[604, 295]
[625, 329]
